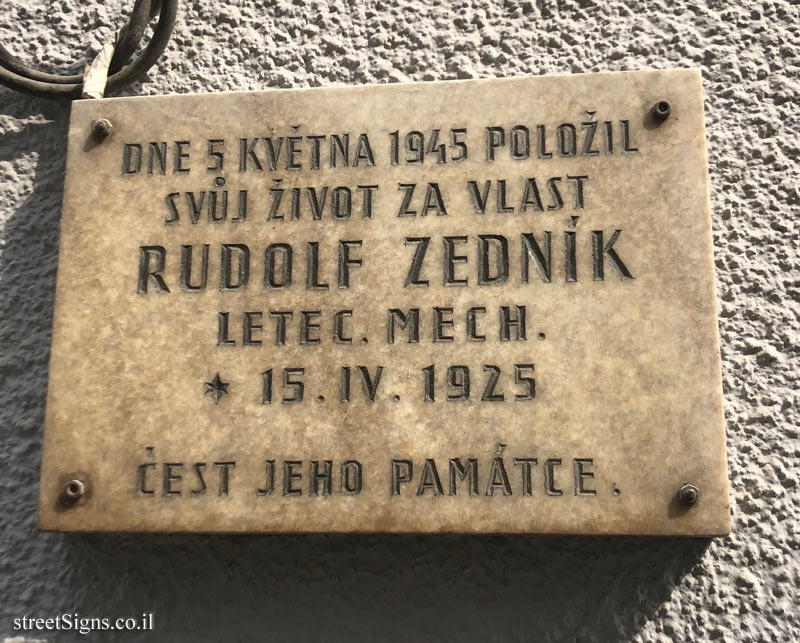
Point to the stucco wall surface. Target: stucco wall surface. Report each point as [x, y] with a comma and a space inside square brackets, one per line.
[331, 588]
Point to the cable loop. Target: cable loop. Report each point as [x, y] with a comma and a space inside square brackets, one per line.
[23, 78]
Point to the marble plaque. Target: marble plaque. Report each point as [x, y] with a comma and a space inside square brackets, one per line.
[472, 306]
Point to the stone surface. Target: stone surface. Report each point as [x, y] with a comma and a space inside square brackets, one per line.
[372, 342]
[392, 588]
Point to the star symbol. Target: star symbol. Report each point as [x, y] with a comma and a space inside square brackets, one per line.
[217, 388]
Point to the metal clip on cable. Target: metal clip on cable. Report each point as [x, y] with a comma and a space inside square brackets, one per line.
[19, 76]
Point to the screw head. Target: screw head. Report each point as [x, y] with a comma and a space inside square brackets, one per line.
[102, 128]
[688, 494]
[74, 489]
[661, 110]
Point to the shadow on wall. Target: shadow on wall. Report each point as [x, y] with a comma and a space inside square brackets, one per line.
[281, 588]
[382, 588]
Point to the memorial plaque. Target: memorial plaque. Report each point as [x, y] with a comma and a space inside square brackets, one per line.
[478, 306]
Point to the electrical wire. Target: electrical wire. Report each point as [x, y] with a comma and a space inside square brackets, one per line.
[19, 76]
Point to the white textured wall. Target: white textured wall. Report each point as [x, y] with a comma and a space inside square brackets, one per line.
[331, 588]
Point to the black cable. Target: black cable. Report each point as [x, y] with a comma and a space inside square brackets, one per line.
[19, 76]
[130, 35]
